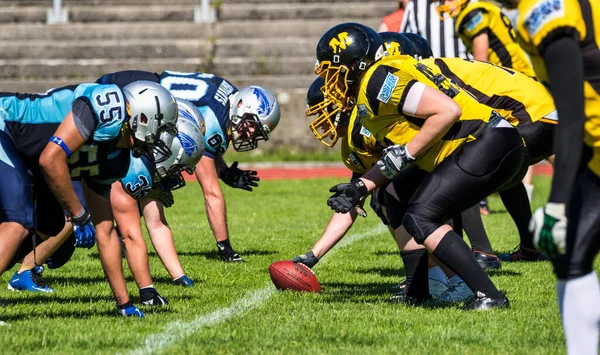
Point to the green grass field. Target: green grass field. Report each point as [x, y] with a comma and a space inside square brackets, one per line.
[234, 309]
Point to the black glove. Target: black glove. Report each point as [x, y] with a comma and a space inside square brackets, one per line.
[237, 178]
[347, 196]
[309, 259]
[162, 196]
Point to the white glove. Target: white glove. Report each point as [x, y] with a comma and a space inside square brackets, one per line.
[549, 227]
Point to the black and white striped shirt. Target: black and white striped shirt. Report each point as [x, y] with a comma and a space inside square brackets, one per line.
[421, 17]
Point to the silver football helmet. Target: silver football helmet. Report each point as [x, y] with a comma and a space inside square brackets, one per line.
[187, 148]
[153, 117]
[254, 114]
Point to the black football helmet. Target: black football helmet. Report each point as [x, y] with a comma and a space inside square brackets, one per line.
[422, 48]
[329, 116]
[344, 52]
[397, 43]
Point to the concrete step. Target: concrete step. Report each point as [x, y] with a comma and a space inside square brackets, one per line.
[227, 12]
[106, 49]
[81, 68]
[171, 30]
[105, 31]
[278, 83]
[70, 3]
[322, 10]
[184, 48]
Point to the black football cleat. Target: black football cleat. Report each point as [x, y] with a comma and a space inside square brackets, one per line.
[483, 303]
[487, 261]
[149, 297]
[229, 255]
[402, 298]
[522, 253]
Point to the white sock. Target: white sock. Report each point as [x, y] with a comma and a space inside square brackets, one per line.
[529, 189]
[579, 305]
[436, 273]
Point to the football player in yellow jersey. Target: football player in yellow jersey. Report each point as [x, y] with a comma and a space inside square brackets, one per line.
[562, 38]
[360, 159]
[487, 33]
[528, 106]
[424, 119]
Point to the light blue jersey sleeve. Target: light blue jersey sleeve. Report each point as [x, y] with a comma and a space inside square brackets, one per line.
[215, 140]
[108, 104]
[138, 181]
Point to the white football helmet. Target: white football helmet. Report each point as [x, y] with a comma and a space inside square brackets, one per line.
[187, 148]
[153, 117]
[254, 114]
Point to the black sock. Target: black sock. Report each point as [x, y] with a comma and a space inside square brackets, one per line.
[475, 231]
[517, 205]
[415, 267]
[125, 305]
[455, 253]
[147, 293]
[225, 243]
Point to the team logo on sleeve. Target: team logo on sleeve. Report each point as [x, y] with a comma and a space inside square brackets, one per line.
[544, 12]
[365, 132]
[385, 93]
[474, 22]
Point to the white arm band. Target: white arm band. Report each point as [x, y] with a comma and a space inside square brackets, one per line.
[411, 103]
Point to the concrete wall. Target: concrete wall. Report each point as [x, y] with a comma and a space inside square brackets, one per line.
[264, 42]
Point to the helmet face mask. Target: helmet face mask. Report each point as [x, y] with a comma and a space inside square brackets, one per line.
[344, 53]
[254, 114]
[329, 115]
[187, 147]
[152, 112]
[450, 7]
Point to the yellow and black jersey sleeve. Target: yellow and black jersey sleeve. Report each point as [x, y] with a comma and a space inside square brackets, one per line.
[483, 17]
[381, 97]
[517, 97]
[543, 21]
[359, 149]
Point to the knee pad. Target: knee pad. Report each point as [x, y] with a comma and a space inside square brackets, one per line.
[419, 227]
[63, 254]
[395, 210]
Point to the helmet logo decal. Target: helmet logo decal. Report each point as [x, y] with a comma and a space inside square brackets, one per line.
[340, 43]
[264, 108]
[393, 48]
[187, 143]
[185, 113]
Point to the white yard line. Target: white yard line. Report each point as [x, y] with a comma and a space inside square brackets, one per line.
[176, 331]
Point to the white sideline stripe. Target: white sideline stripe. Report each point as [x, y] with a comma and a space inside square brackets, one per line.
[178, 330]
[2, 324]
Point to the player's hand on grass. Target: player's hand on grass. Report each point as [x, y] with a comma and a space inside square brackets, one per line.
[239, 179]
[346, 196]
[309, 259]
[549, 227]
[83, 228]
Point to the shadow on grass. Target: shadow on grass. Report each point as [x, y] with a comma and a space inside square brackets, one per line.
[213, 254]
[372, 292]
[384, 272]
[387, 253]
[502, 272]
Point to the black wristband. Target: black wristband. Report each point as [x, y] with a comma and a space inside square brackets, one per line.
[82, 219]
[361, 187]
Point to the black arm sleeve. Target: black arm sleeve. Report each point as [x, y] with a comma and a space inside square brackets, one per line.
[564, 63]
[84, 117]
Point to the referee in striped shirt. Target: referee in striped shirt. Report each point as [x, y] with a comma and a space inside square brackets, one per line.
[420, 17]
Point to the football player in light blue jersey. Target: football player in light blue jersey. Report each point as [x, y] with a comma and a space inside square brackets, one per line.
[103, 124]
[241, 118]
[187, 148]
